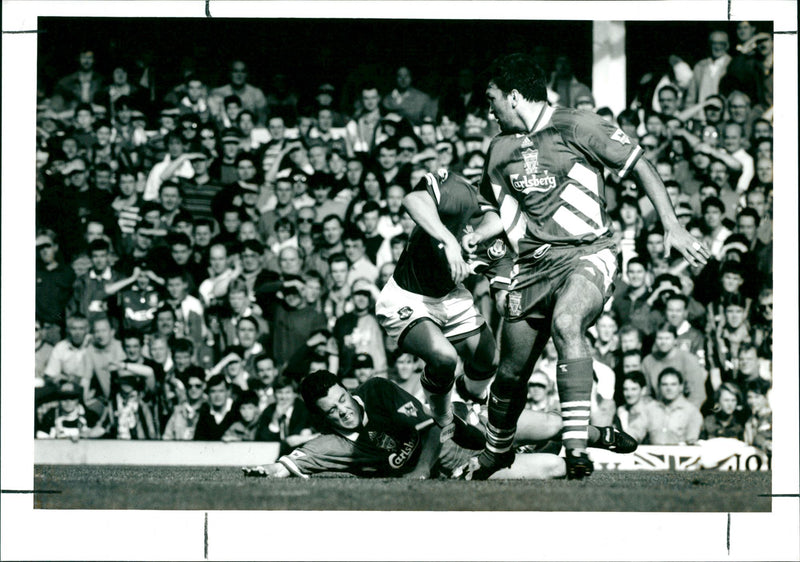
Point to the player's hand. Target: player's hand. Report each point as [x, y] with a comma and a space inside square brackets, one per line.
[459, 269]
[417, 474]
[692, 250]
[470, 242]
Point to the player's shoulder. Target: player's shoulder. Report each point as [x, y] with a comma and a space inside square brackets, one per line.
[374, 385]
[567, 118]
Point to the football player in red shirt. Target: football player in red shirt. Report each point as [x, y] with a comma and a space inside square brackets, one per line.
[544, 179]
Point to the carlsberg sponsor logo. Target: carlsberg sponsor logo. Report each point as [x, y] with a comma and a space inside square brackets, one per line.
[532, 183]
[397, 460]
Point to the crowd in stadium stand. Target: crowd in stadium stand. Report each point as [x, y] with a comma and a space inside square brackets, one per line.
[199, 252]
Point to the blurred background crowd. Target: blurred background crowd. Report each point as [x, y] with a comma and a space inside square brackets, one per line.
[210, 229]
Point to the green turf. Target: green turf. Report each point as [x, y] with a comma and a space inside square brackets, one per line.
[209, 488]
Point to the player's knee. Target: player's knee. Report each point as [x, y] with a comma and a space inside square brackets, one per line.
[442, 360]
[481, 368]
[567, 328]
[552, 424]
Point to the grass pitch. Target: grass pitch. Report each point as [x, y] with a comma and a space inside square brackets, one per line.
[224, 488]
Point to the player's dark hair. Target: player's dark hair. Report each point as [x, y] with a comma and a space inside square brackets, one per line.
[712, 202]
[337, 257]
[750, 212]
[519, 72]
[315, 386]
[217, 380]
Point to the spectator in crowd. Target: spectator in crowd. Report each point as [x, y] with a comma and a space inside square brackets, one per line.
[287, 420]
[251, 97]
[360, 267]
[188, 310]
[293, 321]
[666, 354]
[672, 419]
[216, 415]
[707, 72]
[606, 343]
[361, 128]
[751, 71]
[175, 165]
[54, 285]
[632, 413]
[338, 290]
[91, 290]
[138, 365]
[689, 338]
[358, 331]
[43, 352]
[130, 417]
[220, 275]
[725, 420]
[331, 243]
[730, 335]
[405, 373]
[244, 429]
[70, 419]
[631, 302]
[564, 83]
[542, 395]
[104, 356]
[758, 427]
[409, 102]
[182, 422]
[66, 361]
[79, 87]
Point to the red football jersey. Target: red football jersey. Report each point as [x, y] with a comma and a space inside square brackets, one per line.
[548, 186]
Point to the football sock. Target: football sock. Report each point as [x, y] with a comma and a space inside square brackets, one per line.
[506, 402]
[438, 395]
[574, 378]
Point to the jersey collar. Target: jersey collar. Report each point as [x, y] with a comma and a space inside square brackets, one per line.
[542, 120]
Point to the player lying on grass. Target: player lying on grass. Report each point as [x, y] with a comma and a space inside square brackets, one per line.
[380, 430]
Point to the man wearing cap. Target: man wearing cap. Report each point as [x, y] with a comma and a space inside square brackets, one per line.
[358, 331]
[176, 164]
[252, 98]
[70, 420]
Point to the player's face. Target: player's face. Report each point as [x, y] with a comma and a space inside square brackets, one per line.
[671, 387]
[631, 392]
[727, 402]
[340, 409]
[500, 107]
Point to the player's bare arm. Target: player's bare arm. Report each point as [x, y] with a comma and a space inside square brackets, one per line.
[675, 236]
[422, 209]
[489, 227]
[272, 470]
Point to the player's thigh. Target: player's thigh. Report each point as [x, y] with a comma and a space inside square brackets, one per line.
[522, 343]
[426, 340]
[538, 466]
[479, 350]
[577, 306]
[537, 426]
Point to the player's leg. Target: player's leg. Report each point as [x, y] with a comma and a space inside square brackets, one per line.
[577, 305]
[523, 343]
[425, 340]
[479, 355]
[535, 427]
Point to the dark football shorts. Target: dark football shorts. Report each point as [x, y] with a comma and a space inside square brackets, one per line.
[537, 282]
